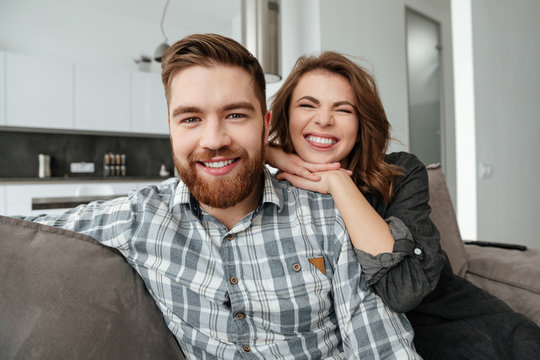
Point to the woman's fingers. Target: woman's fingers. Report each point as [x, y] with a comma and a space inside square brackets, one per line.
[302, 182]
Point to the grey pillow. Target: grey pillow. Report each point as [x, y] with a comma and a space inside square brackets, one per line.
[65, 296]
[444, 218]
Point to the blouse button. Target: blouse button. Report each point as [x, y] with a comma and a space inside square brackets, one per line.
[230, 237]
[240, 316]
[417, 251]
[246, 348]
[297, 267]
[234, 280]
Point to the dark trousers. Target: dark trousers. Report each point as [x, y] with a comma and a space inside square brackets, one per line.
[461, 321]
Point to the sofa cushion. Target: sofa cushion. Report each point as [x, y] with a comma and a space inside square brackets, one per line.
[65, 296]
[444, 218]
[511, 275]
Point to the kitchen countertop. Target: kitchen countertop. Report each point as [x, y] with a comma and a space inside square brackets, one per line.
[66, 201]
[52, 180]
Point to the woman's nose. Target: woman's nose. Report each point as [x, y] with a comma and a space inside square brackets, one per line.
[324, 118]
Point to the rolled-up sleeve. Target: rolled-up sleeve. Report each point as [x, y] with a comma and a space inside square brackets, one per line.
[405, 276]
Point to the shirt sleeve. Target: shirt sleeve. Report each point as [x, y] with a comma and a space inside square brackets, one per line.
[368, 328]
[405, 276]
[108, 222]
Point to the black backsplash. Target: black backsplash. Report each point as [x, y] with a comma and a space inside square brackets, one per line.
[19, 153]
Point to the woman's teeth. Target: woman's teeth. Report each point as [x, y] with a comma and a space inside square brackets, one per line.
[321, 140]
[218, 164]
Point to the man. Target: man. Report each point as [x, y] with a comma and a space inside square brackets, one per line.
[242, 266]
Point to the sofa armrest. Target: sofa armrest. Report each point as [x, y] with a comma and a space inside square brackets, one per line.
[510, 275]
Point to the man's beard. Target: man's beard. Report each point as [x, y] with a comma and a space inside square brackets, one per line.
[222, 191]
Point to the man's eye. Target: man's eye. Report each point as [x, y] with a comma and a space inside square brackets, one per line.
[189, 120]
[236, 116]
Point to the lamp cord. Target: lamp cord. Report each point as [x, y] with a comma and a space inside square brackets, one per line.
[163, 20]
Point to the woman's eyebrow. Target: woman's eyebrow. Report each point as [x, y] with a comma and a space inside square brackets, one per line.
[309, 98]
[344, 102]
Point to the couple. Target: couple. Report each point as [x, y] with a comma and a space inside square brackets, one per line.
[244, 266]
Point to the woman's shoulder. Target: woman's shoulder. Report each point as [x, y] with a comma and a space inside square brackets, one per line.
[403, 159]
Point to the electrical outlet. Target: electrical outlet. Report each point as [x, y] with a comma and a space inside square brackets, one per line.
[485, 171]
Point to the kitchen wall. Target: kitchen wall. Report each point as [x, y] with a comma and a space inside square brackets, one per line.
[20, 150]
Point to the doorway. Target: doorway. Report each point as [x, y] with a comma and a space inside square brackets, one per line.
[426, 138]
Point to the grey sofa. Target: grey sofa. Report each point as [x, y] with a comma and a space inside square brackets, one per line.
[511, 275]
[65, 296]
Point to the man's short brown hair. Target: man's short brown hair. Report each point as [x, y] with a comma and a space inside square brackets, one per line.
[209, 50]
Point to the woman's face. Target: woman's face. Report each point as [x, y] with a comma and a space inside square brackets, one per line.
[322, 118]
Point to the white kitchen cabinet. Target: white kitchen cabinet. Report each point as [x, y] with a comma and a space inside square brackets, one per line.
[18, 197]
[39, 92]
[2, 89]
[102, 99]
[148, 104]
[2, 199]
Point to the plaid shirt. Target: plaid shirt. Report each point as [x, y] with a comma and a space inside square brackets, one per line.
[283, 283]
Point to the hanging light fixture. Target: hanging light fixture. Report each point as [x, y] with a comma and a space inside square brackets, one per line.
[158, 54]
[261, 30]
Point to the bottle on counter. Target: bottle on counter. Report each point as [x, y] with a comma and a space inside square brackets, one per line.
[106, 165]
[123, 167]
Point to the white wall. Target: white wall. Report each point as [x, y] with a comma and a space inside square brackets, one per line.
[104, 32]
[507, 92]
[374, 32]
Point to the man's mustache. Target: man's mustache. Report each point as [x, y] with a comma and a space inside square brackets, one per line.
[204, 155]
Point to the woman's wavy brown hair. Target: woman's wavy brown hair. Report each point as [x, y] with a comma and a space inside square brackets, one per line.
[366, 160]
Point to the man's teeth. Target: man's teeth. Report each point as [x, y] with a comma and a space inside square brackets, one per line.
[218, 164]
[321, 140]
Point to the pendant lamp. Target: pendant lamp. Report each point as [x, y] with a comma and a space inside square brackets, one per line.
[160, 50]
[261, 34]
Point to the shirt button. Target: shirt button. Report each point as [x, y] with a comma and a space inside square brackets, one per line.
[417, 251]
[297, 267]
[240, 316]
[246, 348]
[230, 237]
[234, 280]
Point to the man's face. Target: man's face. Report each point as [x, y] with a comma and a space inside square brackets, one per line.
[218, 133]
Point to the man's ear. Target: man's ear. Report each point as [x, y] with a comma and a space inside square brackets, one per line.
[267, 117]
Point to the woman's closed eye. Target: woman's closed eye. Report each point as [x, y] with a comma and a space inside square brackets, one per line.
[344, 110]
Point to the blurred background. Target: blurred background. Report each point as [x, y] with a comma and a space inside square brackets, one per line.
[459, 80]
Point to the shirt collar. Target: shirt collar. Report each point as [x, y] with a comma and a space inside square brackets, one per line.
[271, 194]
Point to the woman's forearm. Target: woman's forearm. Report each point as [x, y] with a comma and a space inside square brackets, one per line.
[367, 229]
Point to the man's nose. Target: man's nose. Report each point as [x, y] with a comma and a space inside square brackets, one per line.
[214, 135]
[324, 118]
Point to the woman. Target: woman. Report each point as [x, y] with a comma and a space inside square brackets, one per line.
[329, 133]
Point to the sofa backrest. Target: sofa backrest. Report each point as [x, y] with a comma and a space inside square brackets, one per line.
[65, 296]
[444, 218]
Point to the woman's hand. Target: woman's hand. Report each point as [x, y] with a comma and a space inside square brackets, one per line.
[295, 166]
[329, 180]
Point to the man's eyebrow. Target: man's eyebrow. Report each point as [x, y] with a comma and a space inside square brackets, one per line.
[185, 109]
[238, 105]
